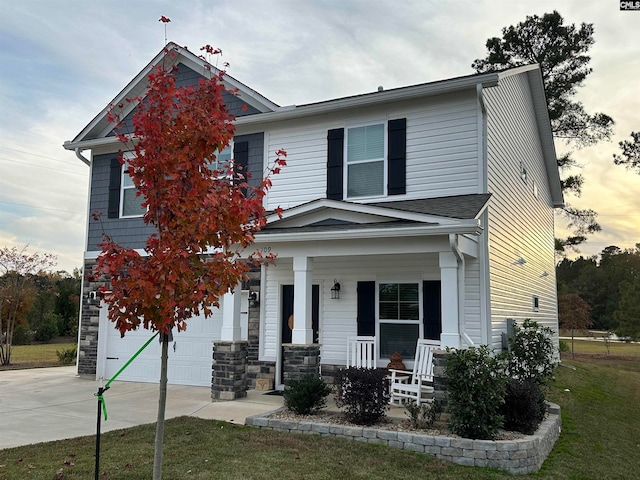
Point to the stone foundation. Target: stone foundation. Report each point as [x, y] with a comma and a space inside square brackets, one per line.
[229, 380]
[300, 360]
[89, 321]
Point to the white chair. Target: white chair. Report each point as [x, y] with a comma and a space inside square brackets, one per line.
[417, 384]
[361, 352]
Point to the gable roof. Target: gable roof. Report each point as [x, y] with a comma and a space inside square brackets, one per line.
[95, 132]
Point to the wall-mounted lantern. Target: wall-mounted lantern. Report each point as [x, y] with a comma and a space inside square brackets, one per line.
[335, 290]
[254, 299]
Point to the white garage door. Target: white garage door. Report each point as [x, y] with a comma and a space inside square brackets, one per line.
[190, 352]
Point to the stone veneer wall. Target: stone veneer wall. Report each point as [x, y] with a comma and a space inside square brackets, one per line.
[300, 360]
[521, 456]
[89, 321]
[229, 371]
[256, 369]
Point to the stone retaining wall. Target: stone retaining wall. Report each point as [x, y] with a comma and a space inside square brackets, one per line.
[521, 456]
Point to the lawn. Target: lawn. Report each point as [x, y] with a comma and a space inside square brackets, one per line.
[39, 355]
[599, 440]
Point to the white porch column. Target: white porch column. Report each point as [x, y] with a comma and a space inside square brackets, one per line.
[231, 331]
[302, 333]
[450, 336]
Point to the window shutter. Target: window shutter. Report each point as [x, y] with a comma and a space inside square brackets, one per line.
[432, 311]
[335, 161]
[366, 316]
[397, 156]
[241, 158]
[115, 177]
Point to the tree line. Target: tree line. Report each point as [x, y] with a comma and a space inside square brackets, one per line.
[37, 304]
[602, 292]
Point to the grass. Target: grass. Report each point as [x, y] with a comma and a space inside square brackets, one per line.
[39, 355]
[599, 348]
[600, 439]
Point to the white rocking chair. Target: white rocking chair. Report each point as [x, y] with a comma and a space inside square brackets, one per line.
[418, 384]
[361, 352]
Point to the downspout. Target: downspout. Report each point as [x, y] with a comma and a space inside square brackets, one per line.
[453, 243]
[82, 158]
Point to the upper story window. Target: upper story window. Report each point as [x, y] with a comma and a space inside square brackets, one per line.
[223, 157]
[366, 160]
[130, 203]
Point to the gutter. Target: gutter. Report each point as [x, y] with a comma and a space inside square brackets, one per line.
[82, 158]
[453, 243]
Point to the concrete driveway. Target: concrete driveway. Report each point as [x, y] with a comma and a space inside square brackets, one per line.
[40, 405]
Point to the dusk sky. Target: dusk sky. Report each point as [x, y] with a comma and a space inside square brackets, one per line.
[62, 61]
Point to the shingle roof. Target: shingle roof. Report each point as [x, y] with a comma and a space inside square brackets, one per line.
[457, 206]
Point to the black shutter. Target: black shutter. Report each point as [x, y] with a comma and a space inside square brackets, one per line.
[335, 161]
[397, 156]
[115, 177]
[241, 159]
[431, 309]
[366, 308]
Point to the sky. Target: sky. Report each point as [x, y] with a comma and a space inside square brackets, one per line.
[63, 61]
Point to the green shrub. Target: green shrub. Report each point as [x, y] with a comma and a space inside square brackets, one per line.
[564, 346]
[22, 335]
[531, 354]
[424, 415]
[49, 327]
[307, 395]
[67, 356]
[524, 406]
[475, 388]
[364, 394]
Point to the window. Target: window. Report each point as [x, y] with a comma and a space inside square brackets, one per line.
[535, 303]
[366, 161]
[130, 204]
[222, 159]
[399, 314]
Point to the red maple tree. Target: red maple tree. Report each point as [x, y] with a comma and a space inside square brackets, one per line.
[205, 217]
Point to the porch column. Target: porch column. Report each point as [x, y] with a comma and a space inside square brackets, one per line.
[231, 316]
[450, 336]
[302, 333]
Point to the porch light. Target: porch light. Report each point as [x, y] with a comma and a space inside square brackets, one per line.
[254, 299]
[335, 290]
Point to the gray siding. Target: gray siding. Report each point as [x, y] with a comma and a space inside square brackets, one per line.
[521, 216]
[128, 232]
[256, 154]
[132, 232]
[186, 77]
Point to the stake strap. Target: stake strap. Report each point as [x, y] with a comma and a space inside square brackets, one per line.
[106, 387]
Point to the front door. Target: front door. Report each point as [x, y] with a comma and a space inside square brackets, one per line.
[287, 315]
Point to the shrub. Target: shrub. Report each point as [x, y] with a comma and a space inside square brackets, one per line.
[307, 395]
[424, 415]
[524, 406]
[67, 356]
[531, 354]
[22, 335]
[475, 388]
[364, 393]
[564, 346]
[49, 327]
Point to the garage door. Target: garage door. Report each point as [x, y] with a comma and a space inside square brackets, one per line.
[190, 352]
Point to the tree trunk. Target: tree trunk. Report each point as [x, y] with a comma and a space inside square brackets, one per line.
[162, 404]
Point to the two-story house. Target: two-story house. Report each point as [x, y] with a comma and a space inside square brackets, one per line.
[416, 212]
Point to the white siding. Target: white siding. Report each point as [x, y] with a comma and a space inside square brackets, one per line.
[520, 223]
[442, 149]
[338, 317]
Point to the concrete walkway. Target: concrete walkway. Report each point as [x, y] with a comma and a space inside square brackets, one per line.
[40, 405]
